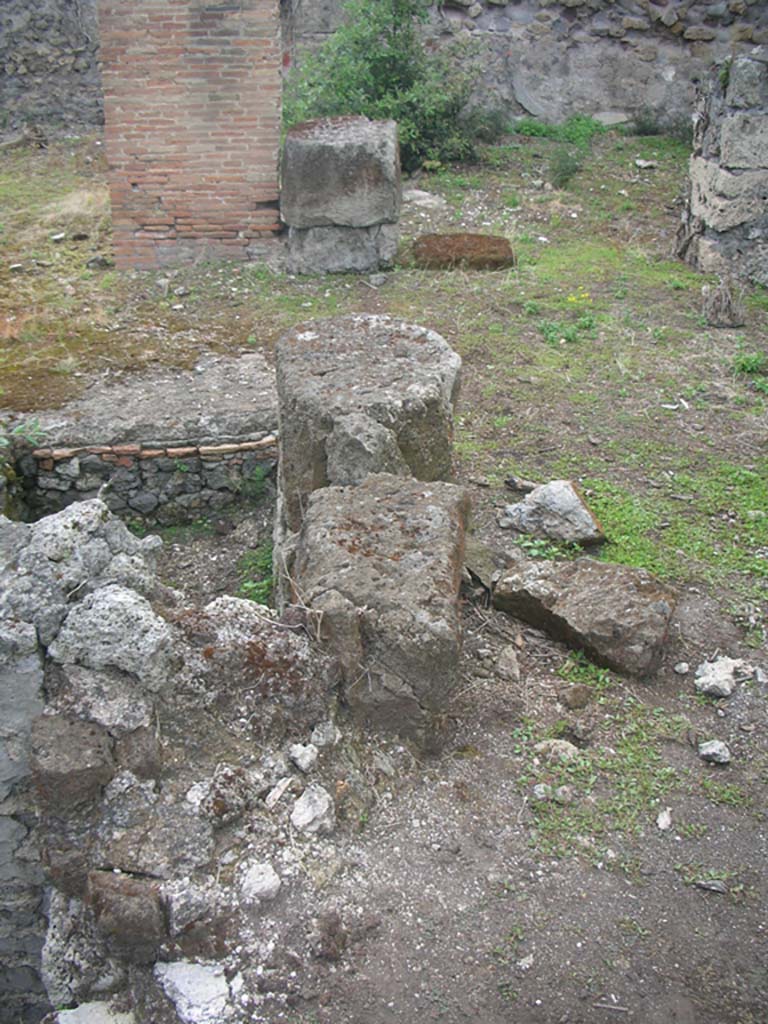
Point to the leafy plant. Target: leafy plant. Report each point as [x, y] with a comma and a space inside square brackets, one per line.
[29, 431]
[376, 65]
[563, 166]
[256, 573]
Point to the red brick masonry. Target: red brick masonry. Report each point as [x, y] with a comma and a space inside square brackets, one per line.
[192, 112]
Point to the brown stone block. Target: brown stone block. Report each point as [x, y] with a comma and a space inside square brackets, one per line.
[467, 251]
[129, 914]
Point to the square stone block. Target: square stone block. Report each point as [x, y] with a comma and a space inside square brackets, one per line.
[342, 171]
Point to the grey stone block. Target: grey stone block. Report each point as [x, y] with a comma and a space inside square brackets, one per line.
[342, 171]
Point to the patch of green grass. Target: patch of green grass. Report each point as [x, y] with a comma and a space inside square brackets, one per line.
[577, 130]
[255, 568]
[725, 794]
[577, 668]
[618, 786]
[723, 529]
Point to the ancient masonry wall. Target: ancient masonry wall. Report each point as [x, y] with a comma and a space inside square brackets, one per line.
[556, 58]
[168, 484]
[725, 224]
[548, 57]
[192, 126]
[48, 62]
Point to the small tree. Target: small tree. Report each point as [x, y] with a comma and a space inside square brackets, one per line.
[376, 65]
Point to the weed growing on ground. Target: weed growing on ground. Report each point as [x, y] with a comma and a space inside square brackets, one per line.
[255, 569]
[538, 547]
[577, 668]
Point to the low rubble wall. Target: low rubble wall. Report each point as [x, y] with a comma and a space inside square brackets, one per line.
[163, 485]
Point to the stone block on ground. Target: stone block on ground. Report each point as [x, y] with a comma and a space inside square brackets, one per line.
[342, 250]
[555, 511]
[618, 615]
[358, 395]
[342, 171]
[199, 991]
[464, 250]
[382, 562]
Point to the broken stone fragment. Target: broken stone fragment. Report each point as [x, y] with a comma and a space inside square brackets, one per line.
[228, 795]
[93, 1013]
[507, 665]
[304, 757]
[555, 511]
[72, 761]
[618, 615]
[557, 750]
[199, 991]
[314, 812]
[718, 678]
[326, 734]
[258, 882]
[715, 751]
[117, 628]
[382, 562]
[129, 914]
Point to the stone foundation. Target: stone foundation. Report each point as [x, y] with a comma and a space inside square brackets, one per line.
[725, 224]
[171, 484]
[164, 448]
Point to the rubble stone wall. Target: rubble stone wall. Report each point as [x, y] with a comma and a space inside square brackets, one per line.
[48, 62]
[549, 57]
[192, 127]
[165, 484]
[725, 224]
[555, 58]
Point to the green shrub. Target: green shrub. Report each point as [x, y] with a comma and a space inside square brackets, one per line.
[375, 64]
[563, 165]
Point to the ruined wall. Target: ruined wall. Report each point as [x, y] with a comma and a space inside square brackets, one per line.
[555, 58]
[192, 126]
[551, 58]
[48, 69]
[725, 225]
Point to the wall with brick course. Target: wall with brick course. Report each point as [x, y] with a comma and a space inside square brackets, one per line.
[192, 126]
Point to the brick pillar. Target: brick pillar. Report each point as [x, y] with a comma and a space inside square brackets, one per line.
[192, 126]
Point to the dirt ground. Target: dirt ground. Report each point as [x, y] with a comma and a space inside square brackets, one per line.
[463, 899]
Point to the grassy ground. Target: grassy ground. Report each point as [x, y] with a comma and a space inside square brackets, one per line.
[591, 360]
